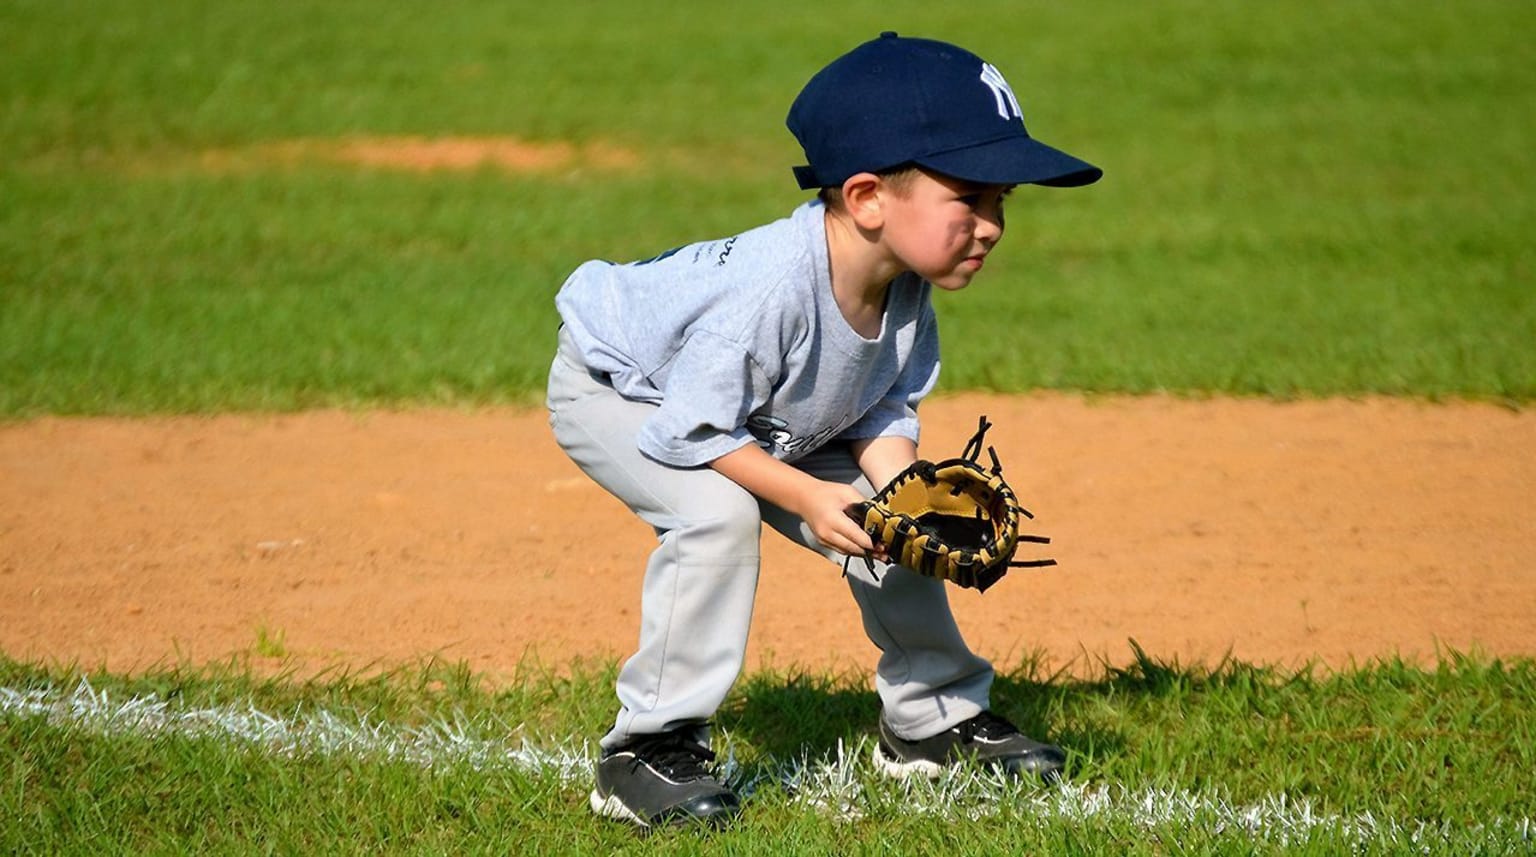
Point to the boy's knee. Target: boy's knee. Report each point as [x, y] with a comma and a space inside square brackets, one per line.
[723, 521]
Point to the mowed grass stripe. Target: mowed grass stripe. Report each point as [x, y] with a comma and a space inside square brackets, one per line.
[1299, 200]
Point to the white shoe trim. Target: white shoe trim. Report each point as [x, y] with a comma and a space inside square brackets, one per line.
[612, 807]
[900, 770]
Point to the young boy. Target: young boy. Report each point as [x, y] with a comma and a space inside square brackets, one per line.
[774, 376]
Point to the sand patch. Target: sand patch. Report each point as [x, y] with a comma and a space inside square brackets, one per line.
[425, 155]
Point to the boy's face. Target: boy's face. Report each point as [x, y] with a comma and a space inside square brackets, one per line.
[942, 228]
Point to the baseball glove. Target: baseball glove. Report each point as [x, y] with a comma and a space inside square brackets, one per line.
[954, 520]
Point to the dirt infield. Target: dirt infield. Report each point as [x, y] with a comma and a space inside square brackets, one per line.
[1279, 533]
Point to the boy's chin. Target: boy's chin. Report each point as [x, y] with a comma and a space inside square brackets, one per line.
[952, 282]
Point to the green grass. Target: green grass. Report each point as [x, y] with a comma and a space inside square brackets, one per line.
[1442, 754]
[1301, 199]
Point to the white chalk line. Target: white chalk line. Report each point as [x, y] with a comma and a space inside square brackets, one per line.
[834, 784]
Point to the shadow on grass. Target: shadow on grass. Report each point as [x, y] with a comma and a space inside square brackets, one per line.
[795, 714]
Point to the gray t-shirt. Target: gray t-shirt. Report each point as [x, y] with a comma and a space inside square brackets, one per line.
[739, 340]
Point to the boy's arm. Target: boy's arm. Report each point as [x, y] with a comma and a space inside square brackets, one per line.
[882, 458]
[822, 505]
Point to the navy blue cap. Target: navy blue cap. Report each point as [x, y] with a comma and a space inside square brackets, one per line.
[894, 101]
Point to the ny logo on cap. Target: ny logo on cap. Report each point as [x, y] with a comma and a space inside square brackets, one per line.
[1007, 104]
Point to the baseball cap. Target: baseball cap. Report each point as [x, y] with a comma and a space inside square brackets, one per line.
[895, 100]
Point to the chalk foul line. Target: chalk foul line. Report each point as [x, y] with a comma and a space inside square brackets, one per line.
[839, 783]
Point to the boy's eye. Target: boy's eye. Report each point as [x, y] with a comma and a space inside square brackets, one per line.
[976, 200]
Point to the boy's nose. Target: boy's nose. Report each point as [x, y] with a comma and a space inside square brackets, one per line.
[989, 227]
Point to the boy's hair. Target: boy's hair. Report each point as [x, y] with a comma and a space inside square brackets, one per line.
[898, 178]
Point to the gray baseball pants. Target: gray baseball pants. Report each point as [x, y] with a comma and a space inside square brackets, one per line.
[701, 580]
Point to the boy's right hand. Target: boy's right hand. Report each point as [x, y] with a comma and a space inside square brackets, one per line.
[826, 513]
[822, 505]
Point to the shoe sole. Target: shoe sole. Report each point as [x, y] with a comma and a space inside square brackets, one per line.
[613, 808]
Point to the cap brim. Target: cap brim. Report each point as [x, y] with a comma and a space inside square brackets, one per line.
[1014, 160]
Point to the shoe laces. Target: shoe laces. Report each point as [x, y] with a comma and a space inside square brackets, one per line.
[986, 725]
[673, 755]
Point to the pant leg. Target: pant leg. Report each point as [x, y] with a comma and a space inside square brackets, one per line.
[700, 581]
[927, 677]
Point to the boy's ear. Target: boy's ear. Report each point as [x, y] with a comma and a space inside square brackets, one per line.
[864, 201]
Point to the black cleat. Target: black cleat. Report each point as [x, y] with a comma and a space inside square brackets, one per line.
[986, 739]
[662, 780]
